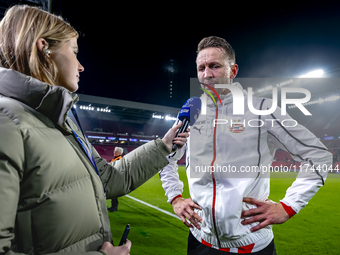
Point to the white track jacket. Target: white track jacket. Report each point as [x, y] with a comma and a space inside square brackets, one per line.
[227, 161]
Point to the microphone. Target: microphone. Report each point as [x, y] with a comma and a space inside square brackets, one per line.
[188, 115]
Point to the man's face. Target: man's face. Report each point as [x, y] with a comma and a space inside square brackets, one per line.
[213, 67]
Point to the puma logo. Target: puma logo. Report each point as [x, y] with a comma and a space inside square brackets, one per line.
[199, 129]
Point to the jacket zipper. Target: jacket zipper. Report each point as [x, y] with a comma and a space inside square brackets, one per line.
[214, 182]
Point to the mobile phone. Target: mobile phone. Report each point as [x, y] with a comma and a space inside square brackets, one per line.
[125, 234]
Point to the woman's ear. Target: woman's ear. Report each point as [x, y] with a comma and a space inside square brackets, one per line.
[42, 46]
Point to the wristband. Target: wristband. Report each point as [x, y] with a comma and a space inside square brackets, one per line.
[288, 209]
[175, 198]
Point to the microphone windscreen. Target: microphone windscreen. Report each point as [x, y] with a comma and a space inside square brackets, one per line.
[190, 110]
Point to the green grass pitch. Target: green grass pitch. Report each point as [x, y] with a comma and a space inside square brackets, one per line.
[315, 230]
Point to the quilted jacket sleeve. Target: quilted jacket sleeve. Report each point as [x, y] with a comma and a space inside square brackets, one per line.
[135, 168]
[11, 167]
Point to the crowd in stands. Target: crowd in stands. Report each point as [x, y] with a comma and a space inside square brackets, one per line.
[132, 128]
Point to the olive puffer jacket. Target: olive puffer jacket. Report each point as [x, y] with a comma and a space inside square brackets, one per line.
[51, 198]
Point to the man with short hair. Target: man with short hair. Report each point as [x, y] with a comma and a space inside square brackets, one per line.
[229, 211]
[117, 153]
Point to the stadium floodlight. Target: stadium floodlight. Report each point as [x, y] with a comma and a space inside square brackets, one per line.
[168, 117]
[156, 116]
[92, 108]
[313, 74]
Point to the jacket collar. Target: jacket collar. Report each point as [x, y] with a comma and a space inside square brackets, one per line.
[52, 101]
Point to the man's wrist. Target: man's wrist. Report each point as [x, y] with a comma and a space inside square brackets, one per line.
[178, 196]
[288, 209]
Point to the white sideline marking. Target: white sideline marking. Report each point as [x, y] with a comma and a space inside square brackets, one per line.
[154, 207]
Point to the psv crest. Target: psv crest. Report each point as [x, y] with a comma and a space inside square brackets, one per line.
[237, 127]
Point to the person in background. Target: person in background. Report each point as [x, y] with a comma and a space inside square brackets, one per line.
[53, 183]
[117, 153]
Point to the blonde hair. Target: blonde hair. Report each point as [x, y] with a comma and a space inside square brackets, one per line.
[20, 29]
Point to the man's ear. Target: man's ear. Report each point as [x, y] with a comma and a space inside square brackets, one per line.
[234, 71]
[41, 45]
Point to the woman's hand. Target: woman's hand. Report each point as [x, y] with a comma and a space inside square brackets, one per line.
[109, 249]
[169, 138]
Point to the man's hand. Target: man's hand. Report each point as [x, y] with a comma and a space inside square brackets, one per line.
[109, 249]
[184, 209]
[267, 212]
[169, 137]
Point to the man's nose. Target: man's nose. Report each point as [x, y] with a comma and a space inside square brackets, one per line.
[208, 73]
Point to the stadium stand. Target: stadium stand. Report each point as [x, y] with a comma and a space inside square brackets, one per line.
[111, 122]
[281, 155]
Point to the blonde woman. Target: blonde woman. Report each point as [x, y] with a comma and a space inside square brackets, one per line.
[52, 181]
